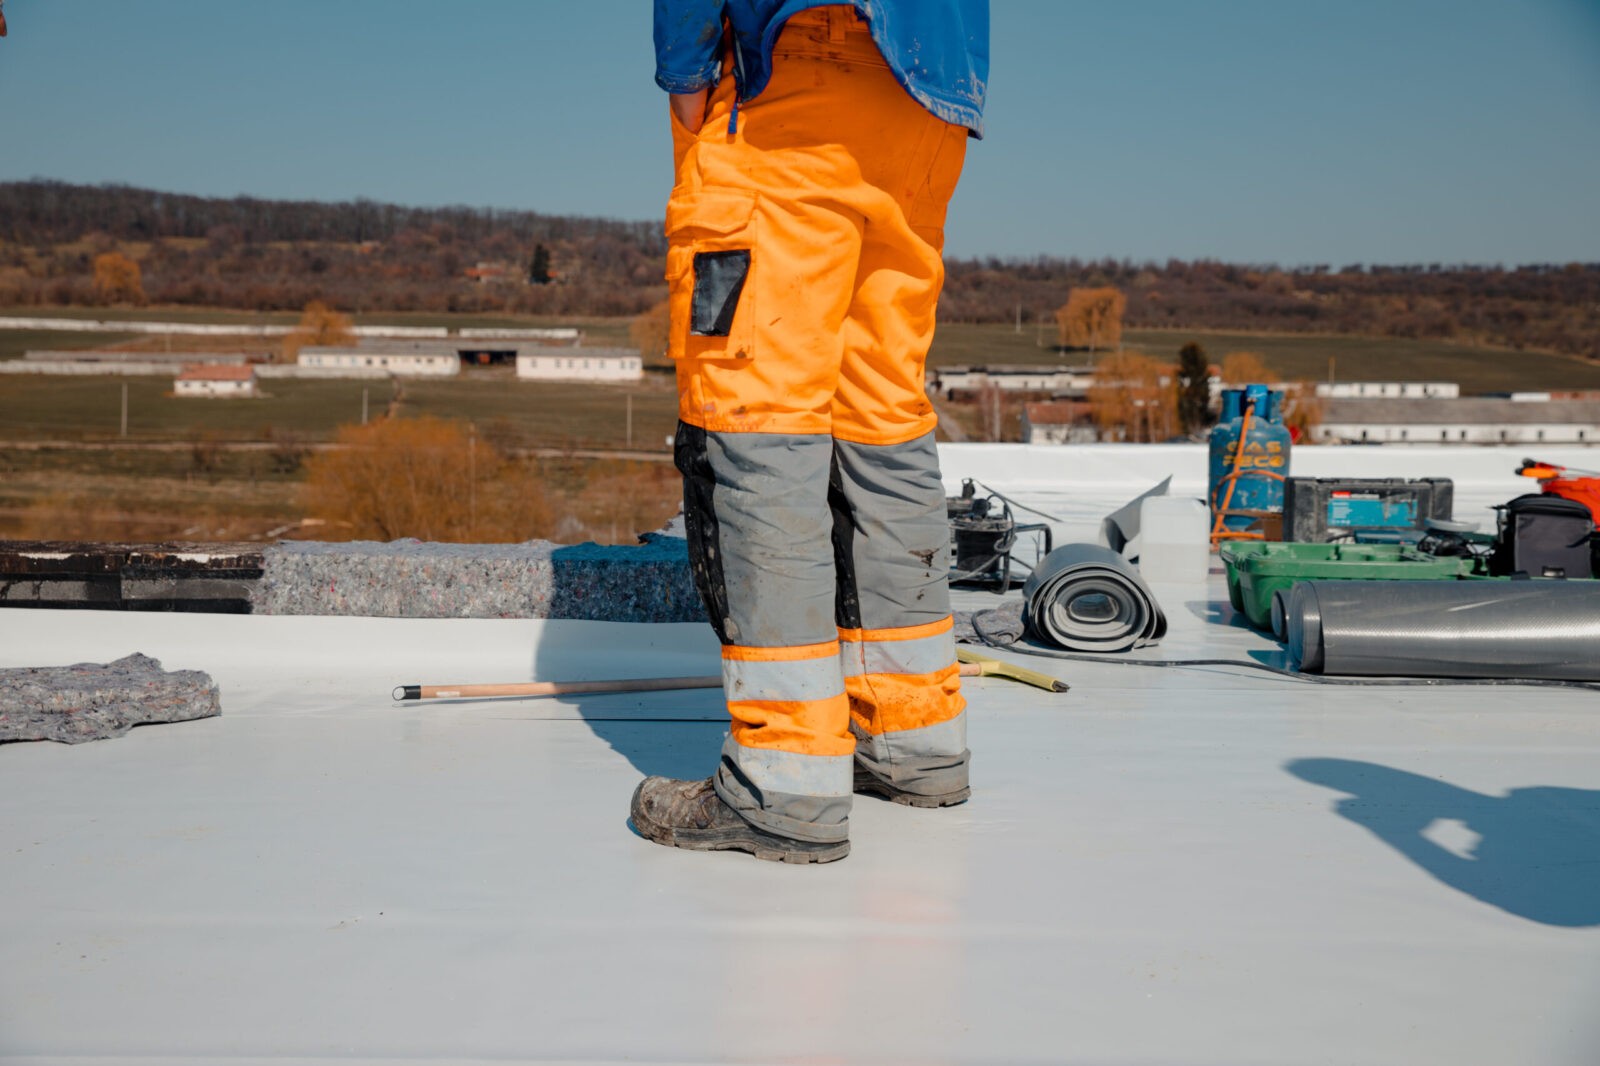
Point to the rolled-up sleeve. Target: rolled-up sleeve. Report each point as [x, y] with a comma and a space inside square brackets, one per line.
[688, 33]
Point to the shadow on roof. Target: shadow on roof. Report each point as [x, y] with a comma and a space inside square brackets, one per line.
[1537, 850]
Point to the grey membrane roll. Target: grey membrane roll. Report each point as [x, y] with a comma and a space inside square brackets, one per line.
[1506, 629]
[1083, 597]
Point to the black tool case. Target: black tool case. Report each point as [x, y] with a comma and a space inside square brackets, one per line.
[1320, 509]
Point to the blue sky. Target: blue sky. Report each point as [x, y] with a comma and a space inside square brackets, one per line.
[1375, 131]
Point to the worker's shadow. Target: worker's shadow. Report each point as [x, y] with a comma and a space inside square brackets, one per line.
[673, 738]
[1534, 852]
[673, 733]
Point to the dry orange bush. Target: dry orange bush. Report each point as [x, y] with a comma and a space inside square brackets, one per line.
[78, 516]
[320, 326]
[1302, 409]
[1092, 318]
[426, 478]
[617, 500]
[649, 329]
[1246, 368]
[1133, 398]
[117, 278]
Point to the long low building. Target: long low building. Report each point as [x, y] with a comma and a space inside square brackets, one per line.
[1468, 421]
[1388, 390]
[580, 364]
[949, 380]
[98, 355]
[413, 360]
[532, 359]
[75, 361]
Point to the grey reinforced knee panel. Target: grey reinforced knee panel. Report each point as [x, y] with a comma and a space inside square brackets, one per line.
[756, 513]
[892, 535]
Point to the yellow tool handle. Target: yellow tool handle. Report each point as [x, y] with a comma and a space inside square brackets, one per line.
[989, 666]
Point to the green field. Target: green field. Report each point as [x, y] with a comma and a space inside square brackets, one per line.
[513, 413]
[14, 342]
[46, 407]
[553, 414]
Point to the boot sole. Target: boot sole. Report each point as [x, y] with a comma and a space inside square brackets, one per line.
[748, 839]
[871, 785]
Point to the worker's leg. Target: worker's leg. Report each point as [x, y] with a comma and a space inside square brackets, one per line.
[762, 262]
[758, 525]
[894, 622]
[765, 263]
[892, 532]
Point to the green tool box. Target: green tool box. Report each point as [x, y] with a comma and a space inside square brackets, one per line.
[1257, 569]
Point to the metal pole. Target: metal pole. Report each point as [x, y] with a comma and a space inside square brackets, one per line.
[364, 391]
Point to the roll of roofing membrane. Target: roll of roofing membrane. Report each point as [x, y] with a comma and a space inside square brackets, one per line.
[1083, 597]
[1493, 629]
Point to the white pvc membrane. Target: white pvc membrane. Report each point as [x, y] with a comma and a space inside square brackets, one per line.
[1200, 865]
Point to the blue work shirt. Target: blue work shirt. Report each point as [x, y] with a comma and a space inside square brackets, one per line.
[938, 49]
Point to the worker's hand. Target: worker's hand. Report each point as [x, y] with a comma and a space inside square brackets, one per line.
[690, 109]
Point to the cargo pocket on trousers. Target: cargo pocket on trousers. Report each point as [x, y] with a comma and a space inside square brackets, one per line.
[710, 269]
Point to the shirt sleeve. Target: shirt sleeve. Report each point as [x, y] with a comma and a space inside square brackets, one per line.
[688, 39]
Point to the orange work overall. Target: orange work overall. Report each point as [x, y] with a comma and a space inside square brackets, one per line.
[804, 235]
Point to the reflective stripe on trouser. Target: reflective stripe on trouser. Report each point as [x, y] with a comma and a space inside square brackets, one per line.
[803, 264]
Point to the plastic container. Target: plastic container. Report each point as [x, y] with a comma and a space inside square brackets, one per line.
[1257, 569]
[1254, 468]
[1174, 539]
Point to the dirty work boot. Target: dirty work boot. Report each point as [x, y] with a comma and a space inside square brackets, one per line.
[869, 783]
[690, 814]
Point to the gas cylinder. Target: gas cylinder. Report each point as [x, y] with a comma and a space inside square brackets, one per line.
[1256, 470]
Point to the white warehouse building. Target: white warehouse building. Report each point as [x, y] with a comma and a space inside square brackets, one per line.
[1389, 390]
[380, 359]
[579, 364]
[949, 380]
[1469, 421]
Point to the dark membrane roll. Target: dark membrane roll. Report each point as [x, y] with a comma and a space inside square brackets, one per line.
[1083, 597]
[1547, 629]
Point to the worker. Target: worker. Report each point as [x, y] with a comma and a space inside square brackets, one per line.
[815, 150]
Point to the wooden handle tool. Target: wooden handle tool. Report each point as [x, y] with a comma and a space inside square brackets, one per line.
[553, 688]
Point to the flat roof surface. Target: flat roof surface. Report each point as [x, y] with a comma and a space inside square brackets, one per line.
[1186, 865]
[1149, 870]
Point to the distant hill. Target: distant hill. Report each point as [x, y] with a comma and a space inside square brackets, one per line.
[277, 255]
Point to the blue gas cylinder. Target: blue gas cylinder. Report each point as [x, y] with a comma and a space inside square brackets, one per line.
[1257, 470]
